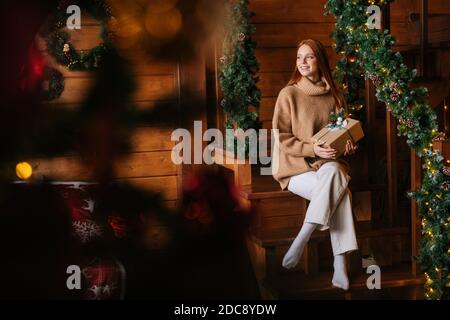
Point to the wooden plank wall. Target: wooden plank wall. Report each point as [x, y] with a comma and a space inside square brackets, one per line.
[280, 25]
[149, 164]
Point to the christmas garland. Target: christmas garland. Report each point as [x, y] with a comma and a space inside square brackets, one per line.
[53, 84]
[372, 52]
[58, 41]
[238, 69]
[349, 75]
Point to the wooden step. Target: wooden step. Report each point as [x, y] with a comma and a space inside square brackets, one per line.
[388, 246]
[301, 286]
[276, 208]
[268, 238]
[264, 187]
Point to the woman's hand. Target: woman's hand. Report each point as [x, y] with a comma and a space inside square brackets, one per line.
[325, 153]
[350, 148]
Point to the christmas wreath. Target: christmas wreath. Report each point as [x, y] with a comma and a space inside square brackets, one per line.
[58, 41]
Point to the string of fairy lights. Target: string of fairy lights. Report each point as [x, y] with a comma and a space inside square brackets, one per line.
[367, 54]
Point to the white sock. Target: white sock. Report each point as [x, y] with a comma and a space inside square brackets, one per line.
[340, 278]
[294, 253]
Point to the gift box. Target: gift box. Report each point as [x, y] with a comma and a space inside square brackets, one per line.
[336, 135]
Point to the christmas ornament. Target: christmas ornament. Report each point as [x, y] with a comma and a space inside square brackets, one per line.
[375, 79]
[87, 230]
[394, 96]
[407, 122]
[445, 185]
[66, 49]
[440, 137]
[446, 170]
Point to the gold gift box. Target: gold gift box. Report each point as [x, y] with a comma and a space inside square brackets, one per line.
[336, 138]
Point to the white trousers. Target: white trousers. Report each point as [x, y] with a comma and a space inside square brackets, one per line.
[330, 203]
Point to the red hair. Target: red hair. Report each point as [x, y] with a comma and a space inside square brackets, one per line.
[324, 70]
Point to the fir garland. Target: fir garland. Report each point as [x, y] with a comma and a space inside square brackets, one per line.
[53, 84]
[238, 70]
[417, 121]
[348, 74]
[58, 41]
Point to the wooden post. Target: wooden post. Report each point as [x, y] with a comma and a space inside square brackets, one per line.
[416, 179]
[371, 104]
[391, 165]
[212, 70]
[386, 14]
[220, 115]
[369, 130]
[423, 70]
[192, 102]
[242, 170]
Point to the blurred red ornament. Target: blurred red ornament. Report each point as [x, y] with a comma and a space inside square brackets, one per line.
[198, 211]
[191, 183]
[118, 226]
[103, 279]
[33, 70]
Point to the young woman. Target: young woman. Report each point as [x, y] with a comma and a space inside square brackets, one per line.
[309, 169]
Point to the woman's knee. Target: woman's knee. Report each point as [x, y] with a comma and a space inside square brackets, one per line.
[303, 184]
[333, 169]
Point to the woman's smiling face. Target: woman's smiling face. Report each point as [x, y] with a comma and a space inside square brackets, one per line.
[307, 62]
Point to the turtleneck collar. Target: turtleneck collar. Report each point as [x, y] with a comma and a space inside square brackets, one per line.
[313, 89]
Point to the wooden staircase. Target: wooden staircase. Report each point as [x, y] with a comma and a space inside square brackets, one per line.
[427, 57]
[277, 218]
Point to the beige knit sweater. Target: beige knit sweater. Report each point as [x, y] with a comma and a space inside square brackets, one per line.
[301, 111]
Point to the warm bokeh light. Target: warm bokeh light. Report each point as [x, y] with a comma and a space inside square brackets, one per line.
[166, 28]
[24, 170]
[128, 31]
[126, 24]
[161, 6]
[163, 25]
